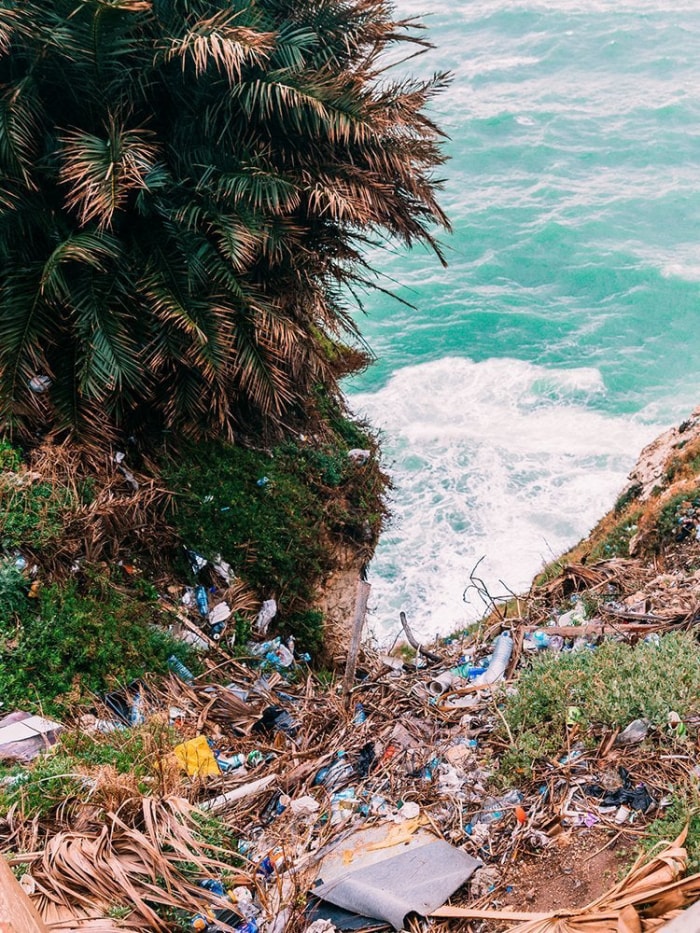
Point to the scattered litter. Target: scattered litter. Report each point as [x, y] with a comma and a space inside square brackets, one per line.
[638, 798]
[359, 456]
[267, 613]
[634, 733]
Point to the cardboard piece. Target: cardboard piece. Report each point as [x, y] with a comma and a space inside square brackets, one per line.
[24, 736]
[386, 874]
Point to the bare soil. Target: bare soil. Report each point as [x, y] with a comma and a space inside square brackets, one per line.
[579, 867]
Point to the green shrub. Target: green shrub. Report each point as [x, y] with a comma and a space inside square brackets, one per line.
[276, 516]
[617, 541]
[33, 515]
[74, 641]
[677, 517]
[610, 686]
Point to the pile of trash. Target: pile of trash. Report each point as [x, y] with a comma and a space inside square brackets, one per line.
[355, 806]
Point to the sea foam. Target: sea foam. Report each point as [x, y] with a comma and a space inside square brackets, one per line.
[502, 460]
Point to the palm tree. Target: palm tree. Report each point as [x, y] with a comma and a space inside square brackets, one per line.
[186, 190]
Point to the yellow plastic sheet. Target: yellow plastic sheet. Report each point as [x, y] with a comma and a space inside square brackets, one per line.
[196, 757]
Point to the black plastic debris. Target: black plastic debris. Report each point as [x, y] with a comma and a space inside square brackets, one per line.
[637, 798]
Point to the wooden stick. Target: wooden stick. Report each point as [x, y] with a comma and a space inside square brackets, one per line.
[361, 600]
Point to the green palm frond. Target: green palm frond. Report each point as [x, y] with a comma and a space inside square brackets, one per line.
[20, 116]
[8, 21]
[86, 248]
[188, 191]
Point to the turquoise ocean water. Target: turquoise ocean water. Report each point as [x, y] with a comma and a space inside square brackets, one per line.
[516, 394]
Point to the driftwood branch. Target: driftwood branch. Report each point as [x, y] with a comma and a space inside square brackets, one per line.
[413, 642]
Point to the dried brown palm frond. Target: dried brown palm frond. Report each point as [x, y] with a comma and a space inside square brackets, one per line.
[101, 505]
[116, 863]
[241, 598]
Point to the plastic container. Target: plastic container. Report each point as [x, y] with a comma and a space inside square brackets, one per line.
[502, 650]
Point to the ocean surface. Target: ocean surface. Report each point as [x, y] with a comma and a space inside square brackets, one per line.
[514, 396]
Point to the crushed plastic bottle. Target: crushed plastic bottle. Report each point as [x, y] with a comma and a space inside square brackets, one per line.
[336, 774]
[274, 653]
[276, 804]
[495, 808]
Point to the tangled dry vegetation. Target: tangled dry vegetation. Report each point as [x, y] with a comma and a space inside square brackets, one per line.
[591, 736]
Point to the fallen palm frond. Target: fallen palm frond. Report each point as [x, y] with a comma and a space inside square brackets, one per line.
[84, 874]
[650, 895]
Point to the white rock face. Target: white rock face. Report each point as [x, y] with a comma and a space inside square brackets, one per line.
[650, 470]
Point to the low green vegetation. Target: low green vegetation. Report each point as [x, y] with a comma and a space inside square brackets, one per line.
[616, 542]
[91, 765]
[610, 688]
[683, 811]
[76, 639]
[678, 516]
[278, 516]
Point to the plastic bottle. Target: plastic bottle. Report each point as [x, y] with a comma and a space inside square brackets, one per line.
[502, 650]
[360, 714]
[272, 863]
[495, 808]
[136, 715]
[202, 600]
[178, 668]
[273, 808]
[214, 886]
[216, 630]
[250, 926]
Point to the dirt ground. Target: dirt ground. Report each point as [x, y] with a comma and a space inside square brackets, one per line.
[580, 866]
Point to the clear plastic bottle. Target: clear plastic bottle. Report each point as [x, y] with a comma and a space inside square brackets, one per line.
[494, 808]
[502, 650]
[182, 671]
